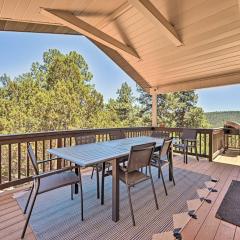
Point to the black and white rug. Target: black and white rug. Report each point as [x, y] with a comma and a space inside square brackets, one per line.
[55, 216]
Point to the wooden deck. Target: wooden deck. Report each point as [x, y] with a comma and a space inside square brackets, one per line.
[206, 227]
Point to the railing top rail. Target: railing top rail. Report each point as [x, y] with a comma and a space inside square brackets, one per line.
[202, 130]
[16, 138]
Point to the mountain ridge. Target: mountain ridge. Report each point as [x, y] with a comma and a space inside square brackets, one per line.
[217, 118]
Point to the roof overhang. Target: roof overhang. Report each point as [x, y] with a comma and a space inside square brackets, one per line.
[162, 45]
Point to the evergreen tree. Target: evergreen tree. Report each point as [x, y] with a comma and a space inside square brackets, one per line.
[173, 109]
[54, 95]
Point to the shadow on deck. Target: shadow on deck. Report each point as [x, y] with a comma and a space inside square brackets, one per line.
[57, 217]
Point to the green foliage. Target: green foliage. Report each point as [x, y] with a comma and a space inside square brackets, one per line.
[57, 94]
[174, 109]
[52, 96]
[217, 119]
[124, 110]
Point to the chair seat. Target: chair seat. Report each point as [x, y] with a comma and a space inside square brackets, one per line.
[57, 181]
[184, 146]
[154, 162]
[180, 145]
[133, 177]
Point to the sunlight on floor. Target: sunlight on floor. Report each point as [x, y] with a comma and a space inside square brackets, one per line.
[230, 157]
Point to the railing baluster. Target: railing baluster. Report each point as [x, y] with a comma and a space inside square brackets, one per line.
[43, 154]
[50, 163]
[205, 143]
[59, 160]
[9, 162]
[19, 160]
[28, 172]
[0, 163]
[200, 147]
[36, 149]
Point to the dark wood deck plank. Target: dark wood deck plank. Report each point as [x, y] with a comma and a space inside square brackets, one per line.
[205, 227]
[193, 227]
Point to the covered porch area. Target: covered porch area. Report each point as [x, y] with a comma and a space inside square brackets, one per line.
[164, 47]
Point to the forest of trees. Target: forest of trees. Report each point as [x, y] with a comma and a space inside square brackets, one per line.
[58, 94]
[217, 119]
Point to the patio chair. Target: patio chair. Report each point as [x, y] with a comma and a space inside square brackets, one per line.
[161, 160]
[188, 141]
[85, 139]
[117, 135]
[157, 134]
[44, 182]
[140, 156]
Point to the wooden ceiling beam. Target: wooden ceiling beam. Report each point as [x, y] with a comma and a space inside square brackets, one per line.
[114, 15]
[69, 20]
[155, 16]
[199, 83]
[124, 65]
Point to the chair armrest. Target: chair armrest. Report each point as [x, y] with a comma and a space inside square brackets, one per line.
[46, 160]
[47, 174]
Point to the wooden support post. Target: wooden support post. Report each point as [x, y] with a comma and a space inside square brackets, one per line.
[154, 110]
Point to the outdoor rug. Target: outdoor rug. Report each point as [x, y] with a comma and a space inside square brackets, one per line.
[229, 210]
[55, 216]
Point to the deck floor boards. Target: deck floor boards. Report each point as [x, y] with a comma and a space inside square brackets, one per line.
[206, 227]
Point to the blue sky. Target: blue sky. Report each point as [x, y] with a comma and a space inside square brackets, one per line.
[19, 50]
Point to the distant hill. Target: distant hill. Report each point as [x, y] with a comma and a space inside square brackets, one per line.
[217, 119]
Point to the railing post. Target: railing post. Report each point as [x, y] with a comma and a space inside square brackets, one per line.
[59, 160]
[211, 146]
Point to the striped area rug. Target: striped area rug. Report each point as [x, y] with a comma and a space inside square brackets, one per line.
[55, 216]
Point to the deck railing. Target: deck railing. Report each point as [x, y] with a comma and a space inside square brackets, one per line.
[16, 168]
[232, 140]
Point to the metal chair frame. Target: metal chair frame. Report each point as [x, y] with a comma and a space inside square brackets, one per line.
[118, 134]
[133, 166]
[37, 183]
[85, 139]
[161, 160]
[188, 140]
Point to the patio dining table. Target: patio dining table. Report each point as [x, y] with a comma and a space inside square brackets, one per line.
[95, 153]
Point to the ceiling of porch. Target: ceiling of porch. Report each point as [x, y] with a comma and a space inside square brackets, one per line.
[163, 45]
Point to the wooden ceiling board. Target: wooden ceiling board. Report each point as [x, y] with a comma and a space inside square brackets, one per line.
[209, 29]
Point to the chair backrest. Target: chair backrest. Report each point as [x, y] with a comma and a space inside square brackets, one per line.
[157, 134]
[117, 135]
[140, 156]
[32, 158]
[163, 154]
[189, 134]
[85, 139]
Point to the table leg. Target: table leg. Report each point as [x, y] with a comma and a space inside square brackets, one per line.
[102, 185]
[171, 163]
[115, 190]
[76, 185]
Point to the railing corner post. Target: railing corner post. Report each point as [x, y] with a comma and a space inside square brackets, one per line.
[211, 146]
